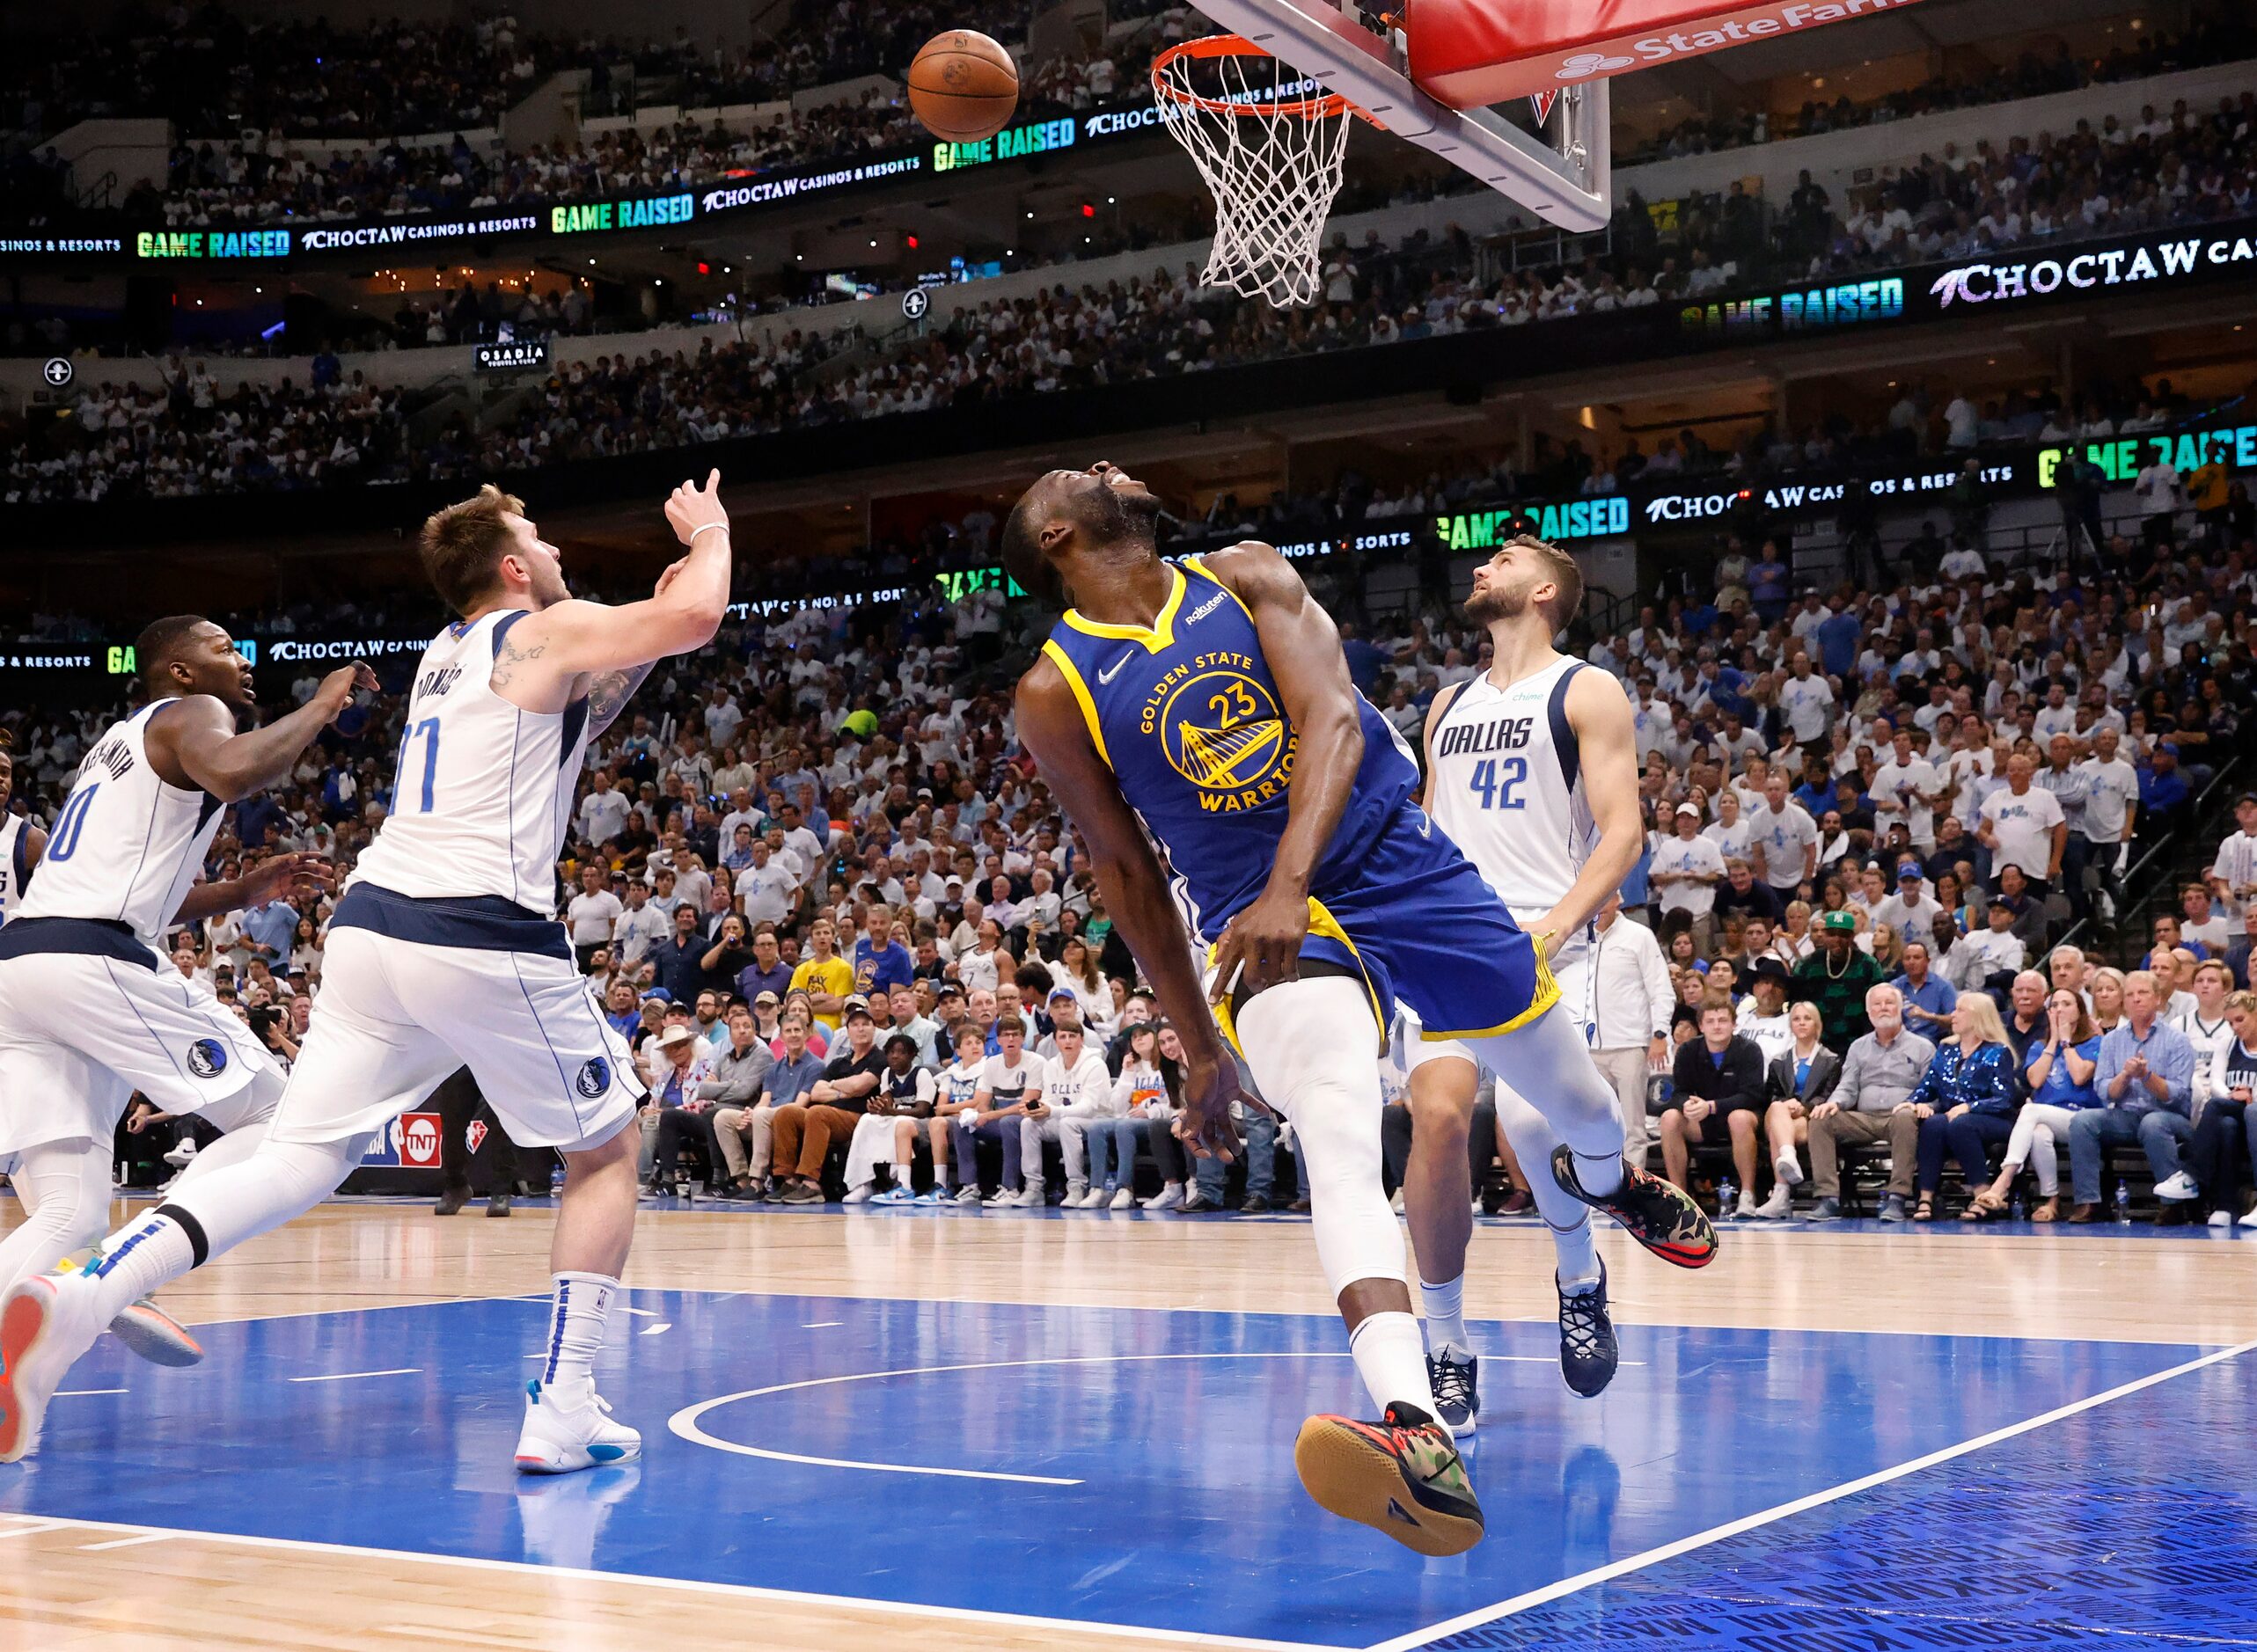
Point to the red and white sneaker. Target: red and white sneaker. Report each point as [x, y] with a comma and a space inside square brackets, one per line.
[46, 1324]
[560, 1440]
[154, 1335]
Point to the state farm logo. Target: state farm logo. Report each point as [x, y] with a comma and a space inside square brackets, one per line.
[1584, 64]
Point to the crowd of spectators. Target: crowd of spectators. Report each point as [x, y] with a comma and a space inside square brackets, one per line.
[816, 882]
[2178, 167]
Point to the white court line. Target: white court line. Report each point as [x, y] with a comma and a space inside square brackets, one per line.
[127, 1543]
[533, 1572]
[33, 1529]
[657, 1330]
[685, 1422]
[1800, 1505]
[84, 1393]
[350, 1376]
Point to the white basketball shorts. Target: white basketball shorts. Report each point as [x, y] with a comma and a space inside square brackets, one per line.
[89, 1015]
[396, 1016]
[1569, 962]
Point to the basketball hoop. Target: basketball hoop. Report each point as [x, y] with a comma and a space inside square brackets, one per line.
[1269, 148]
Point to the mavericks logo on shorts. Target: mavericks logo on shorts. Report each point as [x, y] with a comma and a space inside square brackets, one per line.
[207, 1058]
[595, 1077]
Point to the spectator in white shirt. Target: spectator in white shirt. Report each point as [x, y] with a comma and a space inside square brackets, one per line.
[591, 915]
[1686, 870]
[2233, 871]
[603, 811]
[1787, 840]
[1632, 1003]
[1907, 788]
[1077, 1089]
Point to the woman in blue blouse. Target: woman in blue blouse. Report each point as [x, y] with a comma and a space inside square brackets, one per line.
[1966, 1099]
[2059, 1072]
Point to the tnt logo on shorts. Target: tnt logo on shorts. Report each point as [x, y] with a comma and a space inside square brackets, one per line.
[594, 1078]
[207, 1058]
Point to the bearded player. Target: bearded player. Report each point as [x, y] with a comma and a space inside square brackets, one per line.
[1209, 703]
[1532, 768]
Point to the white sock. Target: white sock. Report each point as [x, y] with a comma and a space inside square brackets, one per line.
[576, 1332]
[1579, 1257]
[146, 1254]
[1391, 1358]
[1445, 1306]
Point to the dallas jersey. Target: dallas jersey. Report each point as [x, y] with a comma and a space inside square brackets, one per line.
[1187, 715]
[483, 796]
[444, 950]
[15, 870]
[89, 1011]
[1508, 786]
[127, 844]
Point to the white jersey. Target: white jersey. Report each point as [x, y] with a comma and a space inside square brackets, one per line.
[484, 793]
[13, 872]
[127, 846]
[1507, 787]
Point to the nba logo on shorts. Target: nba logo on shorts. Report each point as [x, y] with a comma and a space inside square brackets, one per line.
[474, 1137]
[594, 1078]
[207, 1058]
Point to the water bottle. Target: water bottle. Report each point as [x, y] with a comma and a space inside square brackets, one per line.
[682, 1184]
[1727, 1196]
[2019, 1215]
[556, 1180]
[2124, 1204]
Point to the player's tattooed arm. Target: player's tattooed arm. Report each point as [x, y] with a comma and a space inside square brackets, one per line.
[512, 660]
[609, 693]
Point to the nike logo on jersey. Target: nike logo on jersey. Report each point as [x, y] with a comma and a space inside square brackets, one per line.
[1115, 669]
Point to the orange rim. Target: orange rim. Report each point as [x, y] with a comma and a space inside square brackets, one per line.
[1238, 46]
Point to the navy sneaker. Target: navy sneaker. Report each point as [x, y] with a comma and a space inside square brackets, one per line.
[1587, 1351]
[1657, 1214]
[1457, 1390]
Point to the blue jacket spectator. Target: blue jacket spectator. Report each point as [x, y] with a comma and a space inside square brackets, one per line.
[1969, 1092]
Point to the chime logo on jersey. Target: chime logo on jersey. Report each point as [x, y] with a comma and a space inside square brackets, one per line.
[1221, 731]
[595, 1077]
[207, 1057]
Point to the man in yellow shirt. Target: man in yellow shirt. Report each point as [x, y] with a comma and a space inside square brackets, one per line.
[2209, 487]
[826, 977]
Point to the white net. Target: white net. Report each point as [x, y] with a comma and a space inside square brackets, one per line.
[1270, 148]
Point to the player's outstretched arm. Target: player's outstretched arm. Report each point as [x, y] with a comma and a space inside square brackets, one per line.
[193, 742]
[1303, 651]
[570, 639]
[1136, 892]
[293, 879]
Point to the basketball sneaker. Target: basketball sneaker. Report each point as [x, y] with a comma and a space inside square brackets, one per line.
[154, 1335]
[1403, 1477]
[46, 1323]
[1457, 1389]
[1588, 1353]
[1657, 1214]
[557, 1441]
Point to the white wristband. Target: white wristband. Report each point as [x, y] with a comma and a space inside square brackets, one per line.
[694, 532]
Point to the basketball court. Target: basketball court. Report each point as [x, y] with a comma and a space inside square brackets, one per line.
[1021, 1429]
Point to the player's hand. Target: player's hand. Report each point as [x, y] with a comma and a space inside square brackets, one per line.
[336, 689]
[1204, 1126]
[283, 876]
[690, 507]
[1261, 946]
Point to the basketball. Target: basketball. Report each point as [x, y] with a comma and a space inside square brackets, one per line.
[964, 86]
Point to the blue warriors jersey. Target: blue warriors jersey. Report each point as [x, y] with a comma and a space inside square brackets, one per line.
[1187, 715]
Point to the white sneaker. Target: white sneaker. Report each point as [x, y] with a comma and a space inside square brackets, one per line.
[2221, 1218]
[1001, 1197]
[1197, 1201]
[1788, 1169]
[46, 1323]
[1087, 1201]
[2178, 1188]
[2248, 1221]
[184, 1151]
[857, 1195]
[1032, 1199]
[555, 1441]
[1123, 1199]
[969, 1193]
[1396, 1203]
[1779, 1204]
[154, 1335]
[1747, 1206]
[1169, 1198]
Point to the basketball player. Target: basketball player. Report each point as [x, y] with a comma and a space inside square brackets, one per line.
[21, 842]
[1532, 768]
[91, 1007]
[1209, 703]
[444, 951]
